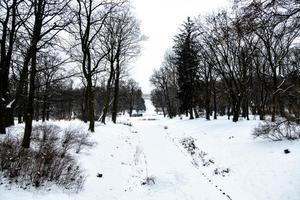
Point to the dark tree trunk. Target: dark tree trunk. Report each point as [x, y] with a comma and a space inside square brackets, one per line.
[30, 105]
[6, 49]
[191, 113]
[2, 122]
[48, 113]
[236, 108]
[20, 113]
[281, 107]
[37, 112]
[44, 106]
[247, 109]
[85, 107]
[163, 110]
[44, 112]
[108, 93]
[207, 101]
[228, 112]
[116, 93]
[196, 113]
[131, 102]
[91, 112]
[261, 109]
[215, 101]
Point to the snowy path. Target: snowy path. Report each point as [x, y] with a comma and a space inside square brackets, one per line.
[139, 147]
[176, 177]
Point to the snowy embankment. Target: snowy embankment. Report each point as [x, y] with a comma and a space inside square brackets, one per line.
[225, 162]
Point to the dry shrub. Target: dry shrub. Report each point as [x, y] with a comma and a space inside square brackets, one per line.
[278, 130]
[48, 161]
[189, 144]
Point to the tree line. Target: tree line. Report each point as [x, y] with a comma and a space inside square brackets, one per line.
[236, 62]
[66, 59]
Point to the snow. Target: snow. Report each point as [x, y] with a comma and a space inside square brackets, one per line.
[127, 155]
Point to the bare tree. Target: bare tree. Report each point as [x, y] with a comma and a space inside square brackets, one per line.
[127, 39]
[277, 26]
[10, 23]
[165, 80]
[48, 19]
[90, 18]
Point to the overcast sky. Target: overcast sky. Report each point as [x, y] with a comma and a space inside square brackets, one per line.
[160, 21]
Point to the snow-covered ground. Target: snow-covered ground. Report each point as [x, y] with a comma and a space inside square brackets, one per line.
[236, 167]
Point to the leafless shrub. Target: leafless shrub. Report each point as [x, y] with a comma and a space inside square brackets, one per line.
[279, 130]
[222, 171]
[149, 180]
[83, 141]
[45, 136]
[189, 144]
[49, 160]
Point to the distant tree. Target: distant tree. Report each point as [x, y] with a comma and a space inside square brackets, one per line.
[121, 36]
[140, 105]
[158, 100]
[165, 80]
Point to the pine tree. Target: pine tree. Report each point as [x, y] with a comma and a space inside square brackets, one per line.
[185, 49]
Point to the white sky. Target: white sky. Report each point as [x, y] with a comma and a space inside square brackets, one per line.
[160, 21]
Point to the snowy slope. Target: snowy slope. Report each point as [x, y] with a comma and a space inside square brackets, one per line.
[127, 155]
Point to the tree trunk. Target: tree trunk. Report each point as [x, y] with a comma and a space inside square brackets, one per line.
[196, 113]
[47, 113]
[164, 112]
[236, 108]
[207, 102]
[281, 107]
[108, 92]
[20, 112]
[215, 101]
[30, 103]
[44, 112]
[2, 120]
[274, 96]
[6, 118]
[247, 109]
[228, 112]
[85, 107]
[37, 113]
[116, 93]
[44, 107]
[131, 101]
[191, 113]
[91, 112]
[261, 108]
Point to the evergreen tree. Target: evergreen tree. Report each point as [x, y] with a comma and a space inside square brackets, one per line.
[185, 49]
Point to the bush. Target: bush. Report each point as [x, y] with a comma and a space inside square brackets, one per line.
[149, 180]
[189, 144]
[279, 130]
[75, 139]
[48, 161]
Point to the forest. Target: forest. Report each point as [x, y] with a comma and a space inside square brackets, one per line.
[236, 63]
[229, 64]
[221, 120]
[67, 59]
